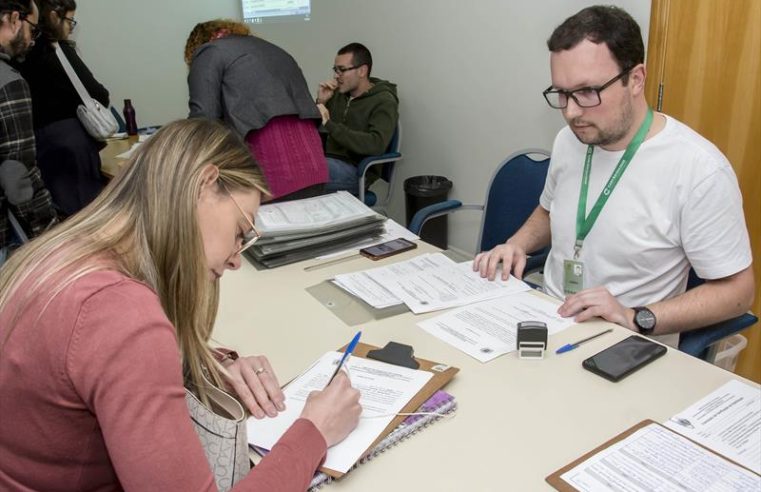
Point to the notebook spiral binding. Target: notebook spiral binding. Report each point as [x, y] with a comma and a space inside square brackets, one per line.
[442, 403]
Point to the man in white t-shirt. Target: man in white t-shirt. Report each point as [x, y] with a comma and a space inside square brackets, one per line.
[633, 198]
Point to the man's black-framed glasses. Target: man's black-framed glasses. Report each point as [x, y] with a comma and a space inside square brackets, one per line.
[35, 28]
[342, 70]
[585, 97]
[72, 22]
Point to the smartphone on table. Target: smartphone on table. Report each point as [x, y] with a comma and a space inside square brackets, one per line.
[619, 360]
[389, 248]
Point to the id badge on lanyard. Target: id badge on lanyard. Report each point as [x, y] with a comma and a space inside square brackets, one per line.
[573, 269]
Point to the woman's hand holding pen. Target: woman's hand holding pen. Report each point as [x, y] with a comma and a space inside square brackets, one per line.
[335, 410]
[256, 385]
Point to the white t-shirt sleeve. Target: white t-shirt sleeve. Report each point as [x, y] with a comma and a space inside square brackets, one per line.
[548, 193]
[715, 238]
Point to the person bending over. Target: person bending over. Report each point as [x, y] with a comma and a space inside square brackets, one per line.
[106, 318]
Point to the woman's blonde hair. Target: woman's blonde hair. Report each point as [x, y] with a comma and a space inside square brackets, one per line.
[144, 224]
[203, 32]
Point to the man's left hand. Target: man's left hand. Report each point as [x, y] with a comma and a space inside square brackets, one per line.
[324, 113]
[597, 301]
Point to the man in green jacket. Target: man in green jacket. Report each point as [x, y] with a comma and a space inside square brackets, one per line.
[359, 114]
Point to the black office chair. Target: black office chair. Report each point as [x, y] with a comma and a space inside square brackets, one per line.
[513, 195]
[387, 171]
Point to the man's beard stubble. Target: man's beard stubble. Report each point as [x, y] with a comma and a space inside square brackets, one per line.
[609, 136]
[18, 47]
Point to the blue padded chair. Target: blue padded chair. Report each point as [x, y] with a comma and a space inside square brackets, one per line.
[17, 229]
[119, 120]
[700, 343]
[387, 161]
[513, 195]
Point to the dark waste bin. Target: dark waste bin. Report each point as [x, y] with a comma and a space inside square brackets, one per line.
[421, 191]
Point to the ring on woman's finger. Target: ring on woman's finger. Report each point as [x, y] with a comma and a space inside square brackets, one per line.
[260, 370]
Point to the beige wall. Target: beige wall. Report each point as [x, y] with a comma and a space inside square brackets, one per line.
[470, 74]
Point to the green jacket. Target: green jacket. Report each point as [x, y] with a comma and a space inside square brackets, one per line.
[362, 126]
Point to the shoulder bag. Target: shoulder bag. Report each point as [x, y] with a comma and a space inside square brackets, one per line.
[222, 431]
[97, 119]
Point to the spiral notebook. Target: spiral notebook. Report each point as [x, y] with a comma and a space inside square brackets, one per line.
[441, 403]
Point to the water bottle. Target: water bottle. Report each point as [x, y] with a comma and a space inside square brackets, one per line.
[129, 117]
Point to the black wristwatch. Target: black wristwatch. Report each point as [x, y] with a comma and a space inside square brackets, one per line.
[644, 320]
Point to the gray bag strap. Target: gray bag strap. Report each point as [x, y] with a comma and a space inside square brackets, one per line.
[83, 94]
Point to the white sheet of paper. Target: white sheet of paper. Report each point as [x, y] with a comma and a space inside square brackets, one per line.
[728, 421]
[385, 389]
[488, 329]
[363, 285]
[447, 285]
[127, 154]
[360, 285]
[654, 458]
[310, 213]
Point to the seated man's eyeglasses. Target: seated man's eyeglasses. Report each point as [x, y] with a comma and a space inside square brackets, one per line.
[585, 97]
[250, 237]
[341, 70]
[35, 28]
[72, 22]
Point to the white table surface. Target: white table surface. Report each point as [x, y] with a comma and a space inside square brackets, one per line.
[517, 420]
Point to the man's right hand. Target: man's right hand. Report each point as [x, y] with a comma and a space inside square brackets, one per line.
[335, 410]
[326, 90]
[512, 257]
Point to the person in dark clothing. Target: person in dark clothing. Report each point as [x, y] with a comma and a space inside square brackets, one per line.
[66, 154]
[22, 191]
[359, 114]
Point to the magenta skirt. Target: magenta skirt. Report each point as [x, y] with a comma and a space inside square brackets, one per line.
[289, 151]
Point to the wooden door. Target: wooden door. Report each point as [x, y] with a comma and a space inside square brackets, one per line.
[705, 57]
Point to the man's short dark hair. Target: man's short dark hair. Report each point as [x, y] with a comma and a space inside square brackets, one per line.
[23, 7]
[602, 24]
[360, 55]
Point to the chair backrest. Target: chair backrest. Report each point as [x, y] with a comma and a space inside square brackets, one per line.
[385, 166]
[119, 120]
[698, 342]
[514, 193]
[387, 170]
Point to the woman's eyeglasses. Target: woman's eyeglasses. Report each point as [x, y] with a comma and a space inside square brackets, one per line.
[250, 237]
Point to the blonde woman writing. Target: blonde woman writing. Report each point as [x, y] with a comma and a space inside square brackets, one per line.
[104, 319]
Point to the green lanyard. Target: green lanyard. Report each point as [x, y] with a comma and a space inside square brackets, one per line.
[583, 226]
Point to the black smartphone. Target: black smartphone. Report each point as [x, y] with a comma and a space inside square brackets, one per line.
[384, 250]
[619, 360]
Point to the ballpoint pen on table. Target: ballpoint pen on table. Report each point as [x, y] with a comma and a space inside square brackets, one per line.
[570, 346]
[346, 355]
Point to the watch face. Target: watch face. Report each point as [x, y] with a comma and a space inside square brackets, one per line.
[645, 319]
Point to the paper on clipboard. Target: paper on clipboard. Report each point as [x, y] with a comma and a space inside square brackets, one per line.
[649, 457]
[385, 389]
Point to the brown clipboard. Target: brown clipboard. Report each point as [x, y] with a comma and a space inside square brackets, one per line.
[442, 374]
[559, 484]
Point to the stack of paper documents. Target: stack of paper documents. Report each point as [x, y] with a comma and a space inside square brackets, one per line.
[301, 229]
[426, 283]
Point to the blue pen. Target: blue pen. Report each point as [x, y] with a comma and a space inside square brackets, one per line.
[346, 355]
[570, 346]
